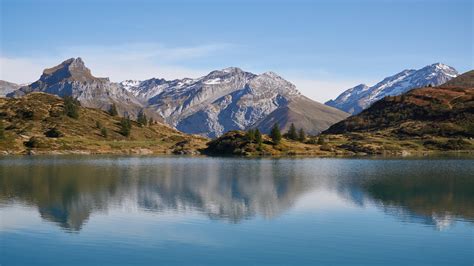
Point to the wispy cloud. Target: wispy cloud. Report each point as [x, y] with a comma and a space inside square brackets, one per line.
[119, 62]
[146, 60]
[322, 90]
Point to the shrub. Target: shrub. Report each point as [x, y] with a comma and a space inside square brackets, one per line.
[321, 140]
[35, 142]
[113, 110]
[104, 132]
[326, 147]
[141, 119]
[53, 133]
[71, 107]
[2, 130]
[125, 126]
[98, 124]
[26, 113]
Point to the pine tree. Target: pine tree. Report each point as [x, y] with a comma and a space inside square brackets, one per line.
[125, 126]
[250, 135]
[113, 110]
[301, 135]
[258, 138]
[275, 134]
[150, 121]
[321, 140]
[292, 132]
[141, 119]
[104, 132]
[71, 107]
[2, 130]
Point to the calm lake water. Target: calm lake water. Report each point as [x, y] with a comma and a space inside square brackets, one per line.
[201, 211]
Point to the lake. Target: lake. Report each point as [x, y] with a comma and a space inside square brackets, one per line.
[113, 210]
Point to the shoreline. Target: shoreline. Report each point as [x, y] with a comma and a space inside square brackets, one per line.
[148, 152]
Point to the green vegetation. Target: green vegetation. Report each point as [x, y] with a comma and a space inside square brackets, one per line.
[250, 135]
[53, 133]
[291, 134]
[258, 138]
[104, 132]
[2, 130]
[113, 110]
[125, 126]
[48, 130]
[142, 119]
[301, 135]
[71, 107]
[275, 134]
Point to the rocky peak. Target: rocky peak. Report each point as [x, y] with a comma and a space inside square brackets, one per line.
[72, 69]
[226, 73]
[272, 81]
[440, 67]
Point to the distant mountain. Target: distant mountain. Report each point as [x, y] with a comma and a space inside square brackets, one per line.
[223, 100]
[7, 87]
[232, 99]
[358, 98]
[72, 77]
[443, 111]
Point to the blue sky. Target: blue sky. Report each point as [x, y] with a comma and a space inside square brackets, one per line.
[323, 47]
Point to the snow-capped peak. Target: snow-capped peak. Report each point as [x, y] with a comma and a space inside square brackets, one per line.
[355, 100]
[127, 84]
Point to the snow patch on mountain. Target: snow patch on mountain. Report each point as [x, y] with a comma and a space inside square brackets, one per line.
[358, 98]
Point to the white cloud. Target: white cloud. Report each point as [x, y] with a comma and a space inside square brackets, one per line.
[118, 62]
[22, 70]
[323, 90]
[146, 60]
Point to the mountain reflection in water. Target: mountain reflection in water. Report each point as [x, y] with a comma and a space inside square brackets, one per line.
[66, 190]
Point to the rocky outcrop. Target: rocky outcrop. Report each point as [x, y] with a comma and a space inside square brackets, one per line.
[73, 78]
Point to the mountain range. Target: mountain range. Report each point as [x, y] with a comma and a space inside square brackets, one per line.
[429, 112]
[223, 100]
[7, 87]
[73, 78]
[360, 97]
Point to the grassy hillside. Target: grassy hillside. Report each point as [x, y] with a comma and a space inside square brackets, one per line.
[37, 123]
[430, 118]
[304, 113]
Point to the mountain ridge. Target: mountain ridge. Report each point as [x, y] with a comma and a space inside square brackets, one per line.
[446, 110]
[222, 100]
[358, 98]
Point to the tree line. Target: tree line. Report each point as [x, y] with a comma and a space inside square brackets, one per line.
[254, 135]
[72, 107]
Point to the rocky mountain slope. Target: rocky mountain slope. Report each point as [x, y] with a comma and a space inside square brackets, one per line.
[7, 87]
[223, 100]
[441, 116]
[73, 78]
[28, 123]
[232, 99]
[358, 98]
